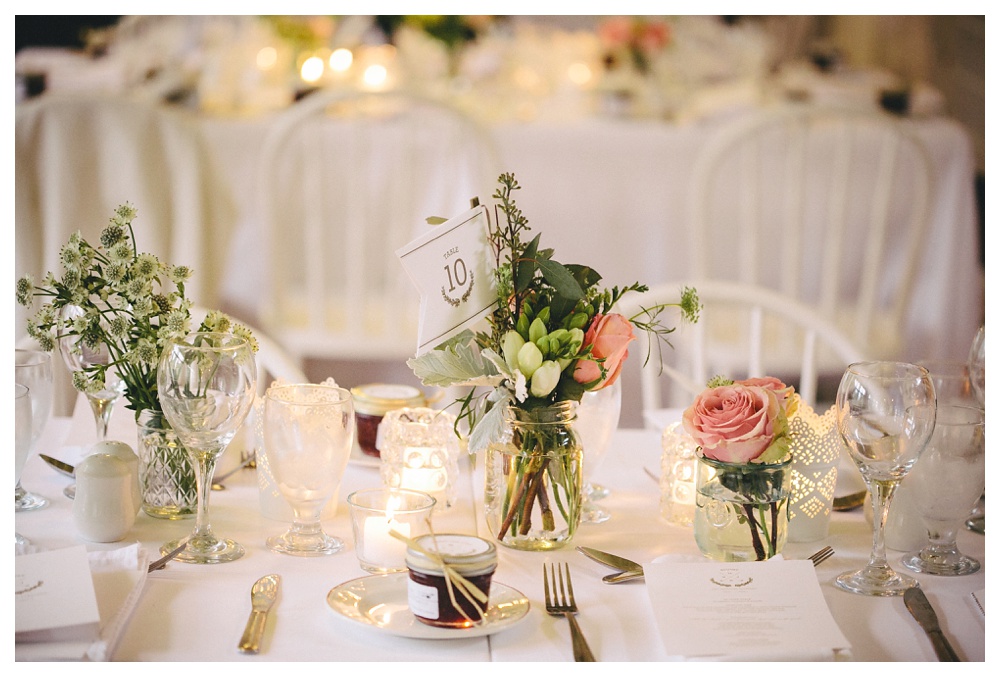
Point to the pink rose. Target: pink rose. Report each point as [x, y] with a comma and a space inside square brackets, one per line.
[609, 336]
[654, 37]
[786, 394]
[734, 424]
[616, 31]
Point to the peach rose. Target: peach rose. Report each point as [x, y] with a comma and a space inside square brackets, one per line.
[786, 394]
[609, 336]
[737, 423]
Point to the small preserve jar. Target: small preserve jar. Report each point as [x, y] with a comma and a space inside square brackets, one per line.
[472, 557]
[373, 401]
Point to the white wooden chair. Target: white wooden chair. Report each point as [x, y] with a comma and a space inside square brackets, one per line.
[829, 207]
[346, 178]
[744, 331]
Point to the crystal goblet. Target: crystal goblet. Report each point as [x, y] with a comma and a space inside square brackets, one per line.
[33, 369]
[596, 421]
[885, 414]
[977, 377]
[22, 442]
[308, 435]
[206, 384]
[88, 362]
[945, 485]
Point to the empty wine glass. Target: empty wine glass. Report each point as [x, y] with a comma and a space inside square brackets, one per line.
[945, 484]
[596, 421]
[885, 414]
[308, 435]
[33, 369]
[22, 443]
[206, 385]
[81, 358]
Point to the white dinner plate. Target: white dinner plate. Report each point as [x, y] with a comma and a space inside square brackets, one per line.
[380, 602]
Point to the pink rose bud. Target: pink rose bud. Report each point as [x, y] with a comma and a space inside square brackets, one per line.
[609, 335]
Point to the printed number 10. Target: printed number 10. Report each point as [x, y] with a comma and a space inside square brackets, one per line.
[461, 274]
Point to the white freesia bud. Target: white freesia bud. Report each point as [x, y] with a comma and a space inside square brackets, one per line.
[537, 329]
[529, 358]
[512, 343]
[545, 378]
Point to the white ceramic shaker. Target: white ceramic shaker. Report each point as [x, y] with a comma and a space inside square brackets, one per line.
[124, 452]
[103, 510]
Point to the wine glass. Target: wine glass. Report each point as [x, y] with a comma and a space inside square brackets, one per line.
[206, 385]
[977, 365]
[596, 421]
[308, 435]
[945, 485]
[885, 414]
[22, 443]
[80, 357]
[33, 369]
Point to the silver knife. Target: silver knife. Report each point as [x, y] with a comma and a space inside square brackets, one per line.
[64, 468]
[628, 570]
[920, 608]
[262, 596]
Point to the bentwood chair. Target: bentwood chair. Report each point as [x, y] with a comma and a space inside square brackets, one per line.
[829, 207]
[743, 331]
[345, 179]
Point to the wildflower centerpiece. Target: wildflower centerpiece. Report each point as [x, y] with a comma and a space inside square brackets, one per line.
[742, 432]
[552, 337]
[112, 297]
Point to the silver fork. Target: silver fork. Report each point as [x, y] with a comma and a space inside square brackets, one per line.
[821, 555]
[559, 601]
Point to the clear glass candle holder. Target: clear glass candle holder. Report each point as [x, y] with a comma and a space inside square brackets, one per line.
[376, 512]
[419, 450]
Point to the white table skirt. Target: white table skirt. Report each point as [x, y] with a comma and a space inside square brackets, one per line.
[197, 613]
[605, 192]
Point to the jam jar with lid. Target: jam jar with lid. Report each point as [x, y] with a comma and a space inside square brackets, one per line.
[373, 401]
[474, 558]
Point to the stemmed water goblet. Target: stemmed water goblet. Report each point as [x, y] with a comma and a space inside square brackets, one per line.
[22, 443]
[308, 434]
[885, 415]
[977, 377]
[33, 369]
[596, 421]
[82, 358]
[945, 485]
[206, 383]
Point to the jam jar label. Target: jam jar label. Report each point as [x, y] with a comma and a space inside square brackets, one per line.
[423, 600]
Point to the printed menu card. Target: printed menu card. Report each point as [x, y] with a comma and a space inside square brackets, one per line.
[54, 598]
[743, 611]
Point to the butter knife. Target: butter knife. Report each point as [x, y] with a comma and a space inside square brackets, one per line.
[628, 570]
[262, 596]
[64, 468]
[920, 608]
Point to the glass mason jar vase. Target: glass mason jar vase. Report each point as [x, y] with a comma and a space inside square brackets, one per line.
[167, 479]
[741, 512]
[534, 479]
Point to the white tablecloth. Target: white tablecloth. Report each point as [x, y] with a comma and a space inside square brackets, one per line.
[197, 613]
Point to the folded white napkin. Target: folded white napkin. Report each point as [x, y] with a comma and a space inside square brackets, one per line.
[742, 611]
[119, 576]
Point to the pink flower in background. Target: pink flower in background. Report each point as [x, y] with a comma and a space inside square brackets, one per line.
[615, 32]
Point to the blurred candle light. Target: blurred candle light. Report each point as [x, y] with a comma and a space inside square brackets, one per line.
[341, 60]
[375, 76]
[312, 69]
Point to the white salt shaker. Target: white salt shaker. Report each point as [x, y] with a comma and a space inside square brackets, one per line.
[124, 452]
[103, 510]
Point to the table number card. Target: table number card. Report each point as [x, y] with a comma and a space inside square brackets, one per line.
[54, 598]
[452, 266]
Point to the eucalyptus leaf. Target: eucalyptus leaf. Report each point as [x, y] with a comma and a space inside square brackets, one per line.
[490, 426]
[561, 279]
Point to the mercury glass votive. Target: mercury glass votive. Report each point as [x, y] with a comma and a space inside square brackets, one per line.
[678, 474]
[377, 512]
[419, 450]
[816, 448]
